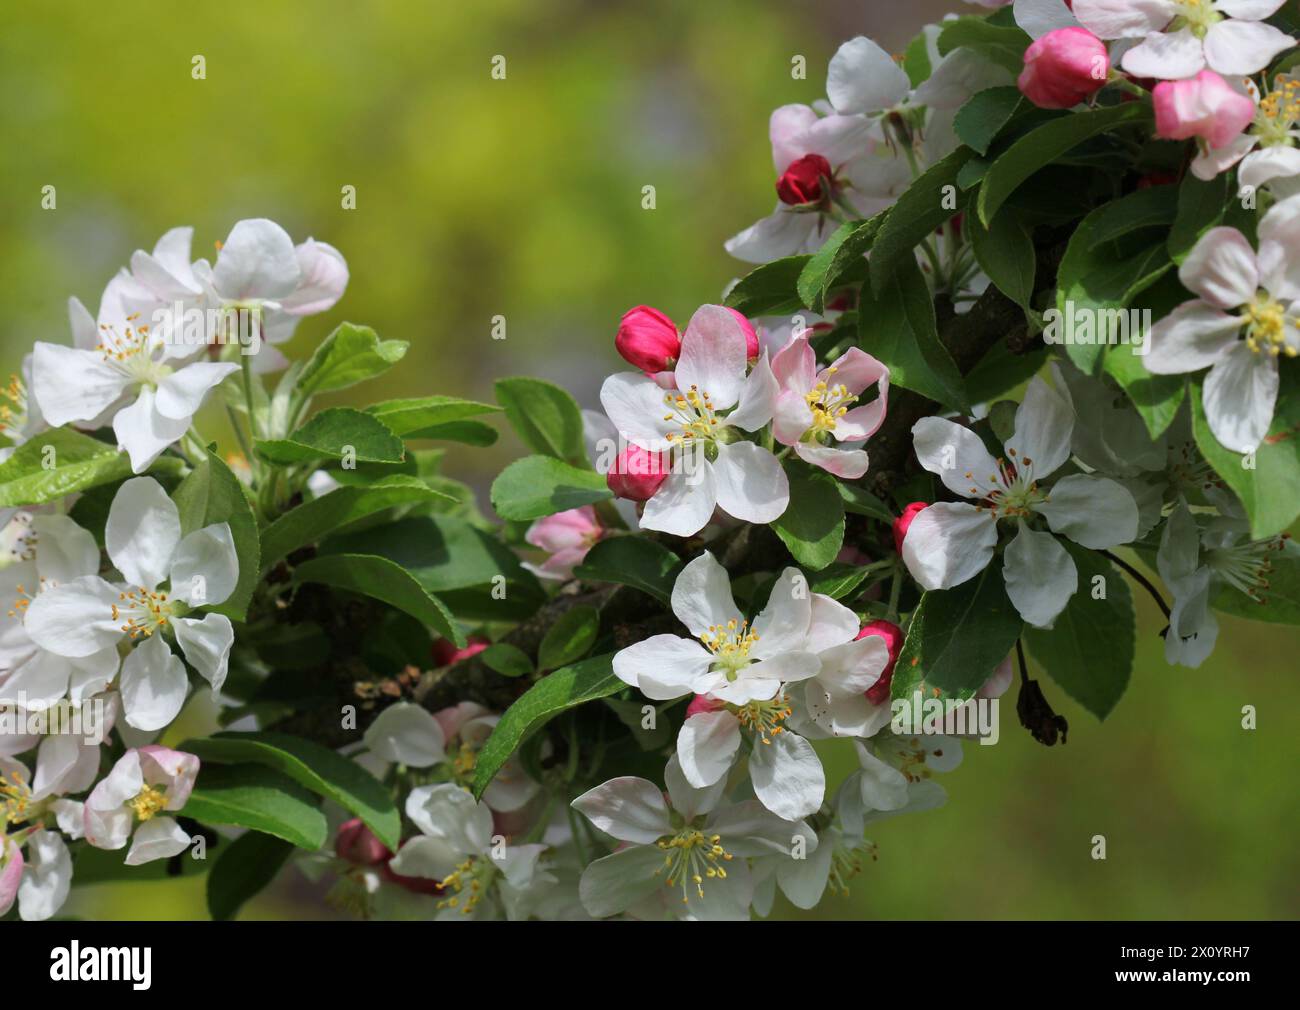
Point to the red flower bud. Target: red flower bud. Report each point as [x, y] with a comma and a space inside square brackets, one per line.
[702, 703]
[358, 845]
[904, 521]
[444, 651]
[1063, 68]
[892, 634]
[637, 473]
[802, 182]
[648, 339]
[751, 336]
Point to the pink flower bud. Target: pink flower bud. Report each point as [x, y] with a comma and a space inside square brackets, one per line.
[751, 336]
[1063, 68]
[702, 703]
[802, 182]
[1204, 106]
[904, 521]
[357, 844]
[444, 651]
[648, 339]
[637, 473]
[892, 634]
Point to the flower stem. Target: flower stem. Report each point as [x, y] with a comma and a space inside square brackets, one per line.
[1140, 579]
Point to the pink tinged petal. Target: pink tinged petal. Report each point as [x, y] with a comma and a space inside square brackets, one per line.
[1040, 576]
[205, 566]
[1194, 336]
[839, 138]
[706, 747]
[144, 433]
[684, 503]
[663, 667]
[787, 127]
[714, 356]
[11, 873]
[1166, 57]
[757, 398]
[159, 838]
[174, 770]
[792, 417]
[635, 405]
[949, 543]
[857, 370]
[564, 530]
[688, 800]
[702, 597]
[65, 551]
[629, 809]
[323, 279]
[1038, 17]
[406, 734]
[48, 879]
[1094, 512]
[70, 384]
[849, 464]
[257, 261]
[206, 644]
[76, 618]
[615, 883]
[1124, 19]
[783, 233]
[1244, 47]
[864, 78]
[142, 532]
[180, 395]
[882, 786]
[1044, 425]
[107, 820]
[1279, 249]
[751, 483]
[862, 422]
[955, 454]
[1263, 166]
[1221, 268]
[795, 365]
[153, 685]
[1240, 394]
[788, 777]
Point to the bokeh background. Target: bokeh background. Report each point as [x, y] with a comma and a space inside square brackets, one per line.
[522, 197]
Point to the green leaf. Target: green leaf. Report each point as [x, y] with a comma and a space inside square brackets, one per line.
[864, 503]
[898, 326]
[381, 579]
[323, 771]
[843, 254]
[546, 417]
[212, 494]
[569, 638]
[1269, 484]
[1006, 252]
[1283, 595]
[474, 433]
[58, 463]
[507, 660]
[957, 638]
[313, 520]
[1200, 207]
[402, 417]
[1089, 650]
[769, 290]
[243, 869]
[108, 866]
[839, 580]
[255, 796]
[590, 680]
[1044, 145]
[632, 561]
[1003, 45]
[813, 525]
[538, 486]
[1001, 370]
[349, 355]
[985, 115]
[336, 433]
[1156, 397]
[930, 201]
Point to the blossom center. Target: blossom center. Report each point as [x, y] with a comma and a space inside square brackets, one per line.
[15, 799]
[730, 644]
[846, 863]
[148, 802]
[1277, 114]
[1012, 492]
[764, 718]
[472, 875]
[691, 857]
[828, 404]
[1198, 15]
[1246, 567]
[143, 612]
[1266, 323]
[693, 410]
[13, 408]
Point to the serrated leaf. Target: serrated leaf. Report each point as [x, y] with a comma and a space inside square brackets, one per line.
[632, 561]
[978, 122]
[812, 527]
[546, 417]
[404, 416]
[349, 355]
[57, 463]
[337, 433]
[538, 486]
[590, 680]
[323, 771]
[257, 797]
[243, 869]
[569, 639]
[769, 290]
[1006, 252]
[1200, 207]
[930, 201]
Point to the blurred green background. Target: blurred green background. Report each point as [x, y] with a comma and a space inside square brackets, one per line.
[522, 197]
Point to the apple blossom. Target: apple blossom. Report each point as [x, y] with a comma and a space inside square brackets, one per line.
[1180, 38]
[713, 464]
[637, 473]
[86, 615]
[949, 543]
[1063, 68]
[1203, 106]
[566, 537]
[1241, 348]
[1266, 152]
[126, 805]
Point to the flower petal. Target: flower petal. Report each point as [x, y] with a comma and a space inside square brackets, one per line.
[684, 503]
[47, 879]
[407, 734]
[1171, 56]
[205, 566]
[64, 550]
[1095, 512]
[144, 433]
[714, 355]
[783, 624]
[864, 78]
[1194, 336]
[663, 667]
[1221, 269]
[180, 395]
[257, 262]
[75, 619]
[954, 453]
[949, 543]
[702, 596]
[206, 643]
[751, 483]
[153, 685]
[848, 464]
[160, 838]
[635, 405]
[706, 747]
[70, 384]
[1040, 576]
[757, 398]
[627, 808]
[1123, 19]
[882, 786]
[1241, 48]
[142, 532]
[788, 776]
[613, 884]
[1044, 426]
[1240, 394]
